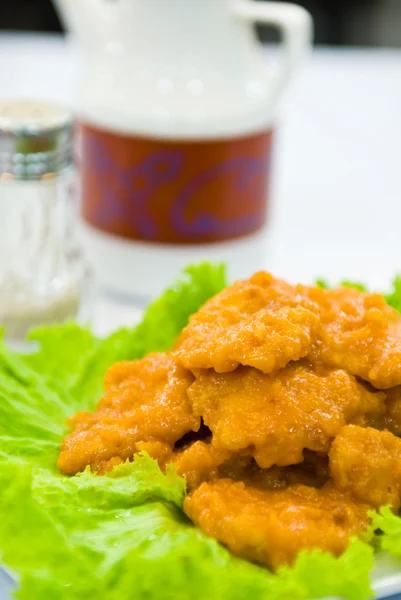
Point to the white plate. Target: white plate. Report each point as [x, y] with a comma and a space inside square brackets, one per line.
[386, 578]
[6, 585]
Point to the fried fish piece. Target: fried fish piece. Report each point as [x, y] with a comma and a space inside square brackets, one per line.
[144, 401]
[261, 322]
[358, 332]
[277, 417]
[312, 471]
[392, 417]
[271, 527]
[265, 323]
[200, 462]
[367, 463]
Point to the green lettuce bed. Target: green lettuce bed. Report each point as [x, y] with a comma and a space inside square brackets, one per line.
[124, 536]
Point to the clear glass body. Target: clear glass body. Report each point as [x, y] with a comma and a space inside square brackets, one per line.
[44, 277]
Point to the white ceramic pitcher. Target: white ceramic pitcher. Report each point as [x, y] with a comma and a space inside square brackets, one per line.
[177, 106]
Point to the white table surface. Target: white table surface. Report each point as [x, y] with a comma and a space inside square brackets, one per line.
[337, 199]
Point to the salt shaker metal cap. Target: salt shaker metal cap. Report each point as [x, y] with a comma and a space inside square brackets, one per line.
[36, 139]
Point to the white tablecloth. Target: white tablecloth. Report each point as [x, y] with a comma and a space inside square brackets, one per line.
[337, 203]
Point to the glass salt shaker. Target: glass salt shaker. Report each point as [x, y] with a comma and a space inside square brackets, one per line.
[44, 277]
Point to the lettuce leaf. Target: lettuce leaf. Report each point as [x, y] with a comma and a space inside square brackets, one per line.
[393, 297]
[386, 531]
[123, 536]
[345, 577]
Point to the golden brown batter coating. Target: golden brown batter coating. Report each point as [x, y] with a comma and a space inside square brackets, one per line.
[265, 323]
[262, 323]
[313, 471]
[360, 333]
[271, 527]
[144, 401]
[277, 417]
[264, 406]
[200, 462]
[392, 418]
[367, 463]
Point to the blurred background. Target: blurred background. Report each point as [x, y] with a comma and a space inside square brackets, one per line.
[336, 202]
[338, 22]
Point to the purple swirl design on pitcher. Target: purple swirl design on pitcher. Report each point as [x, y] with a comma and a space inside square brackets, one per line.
[134, 185]
[245, 171]
[175, 192]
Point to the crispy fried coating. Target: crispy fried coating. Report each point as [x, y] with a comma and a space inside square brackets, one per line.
[277, 417]
[261, 323]
[144, 401]
[313, 471]
[265, 323]
[271, 527]
[367, 463]
[360, 333]
[392, 418]
[199, 462]
[278, 404]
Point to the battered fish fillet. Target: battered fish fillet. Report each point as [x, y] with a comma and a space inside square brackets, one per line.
[265, 323]
[262, 323]
[277, 417]
[392, 418]
[358, 332]
[367, 463]
[271, 527]
[144, 401]
[313, 471]
[265, 406]
[200, 462]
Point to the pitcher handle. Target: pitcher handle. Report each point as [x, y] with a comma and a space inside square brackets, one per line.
[295, 24]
